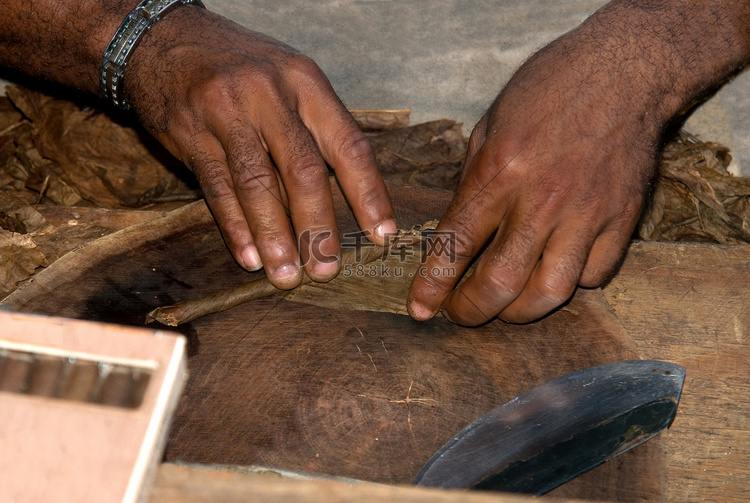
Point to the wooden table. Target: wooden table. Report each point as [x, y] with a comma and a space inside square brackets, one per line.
[690, 304]
[682, 303]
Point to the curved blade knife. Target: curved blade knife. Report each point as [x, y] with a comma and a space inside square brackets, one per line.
[552, 433]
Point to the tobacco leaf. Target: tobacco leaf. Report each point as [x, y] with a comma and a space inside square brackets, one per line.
[695, 198]
[429, 154]
[73, 227]
[382, 285]
[9, 116]
[381, 120]
[77, 153]
[19, 258]
[365, 283]
[16, 215]
[10, 122]
[59, 153]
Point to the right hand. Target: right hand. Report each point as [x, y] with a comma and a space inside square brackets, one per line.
[257, 122]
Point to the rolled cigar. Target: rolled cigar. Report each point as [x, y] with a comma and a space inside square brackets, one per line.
[184, 312]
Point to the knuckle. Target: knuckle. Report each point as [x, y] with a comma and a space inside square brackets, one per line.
[357, 148]
[217, 90]
[373, 200]
[465, 248]
[308, 172]
[503, 161]
[274, 241]
[251, 181]
[266, 80]
[371, 197]
[306, 66]
[234, 229]
[213, 178]
[555, 190]
[306, 71]
[223, 89]
[502, 282]
[516, 250]
[557, 287]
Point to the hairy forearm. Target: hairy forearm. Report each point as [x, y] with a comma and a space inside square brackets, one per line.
[680, 47]
[641, 60]
[61, 41]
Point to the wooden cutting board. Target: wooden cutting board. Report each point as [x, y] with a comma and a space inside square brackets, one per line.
[353, 393]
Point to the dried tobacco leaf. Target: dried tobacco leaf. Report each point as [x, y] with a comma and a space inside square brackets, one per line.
[381, 120]
[106, 163]
[9, 116]
[19, 258]
[354, 290]
[17, 215]
[10, 121]
[429, 154]
[45, 180]
[695, 198]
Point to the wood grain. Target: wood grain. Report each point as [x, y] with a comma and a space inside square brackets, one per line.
[690, 304]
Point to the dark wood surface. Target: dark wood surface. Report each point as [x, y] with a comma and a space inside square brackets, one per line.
[359, 394]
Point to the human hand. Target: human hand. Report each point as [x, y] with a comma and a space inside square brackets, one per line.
[256, 122]
[554, 178]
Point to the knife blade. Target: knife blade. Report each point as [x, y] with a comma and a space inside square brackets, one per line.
[558, 430]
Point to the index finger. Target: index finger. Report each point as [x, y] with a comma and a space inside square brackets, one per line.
[473, 216]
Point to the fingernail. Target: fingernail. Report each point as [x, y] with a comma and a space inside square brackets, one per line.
[286, 272]
[251, 259]
[326, 269]
[385, 228]
[419, 312]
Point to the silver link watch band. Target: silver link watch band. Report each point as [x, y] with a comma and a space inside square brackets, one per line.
[126, 37]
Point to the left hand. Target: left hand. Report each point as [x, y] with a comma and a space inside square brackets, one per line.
[553, 184]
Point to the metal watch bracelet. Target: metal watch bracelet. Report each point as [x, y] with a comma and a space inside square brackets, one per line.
[126, 37]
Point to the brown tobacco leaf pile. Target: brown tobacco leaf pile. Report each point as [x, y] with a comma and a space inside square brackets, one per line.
[54, 152]
[429, 154]
[59, 153]
[19, 259]
[695, 198]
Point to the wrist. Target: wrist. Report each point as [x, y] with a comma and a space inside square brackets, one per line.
[675, 50]
[110, 15]
[125, 40]
[160, 60]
